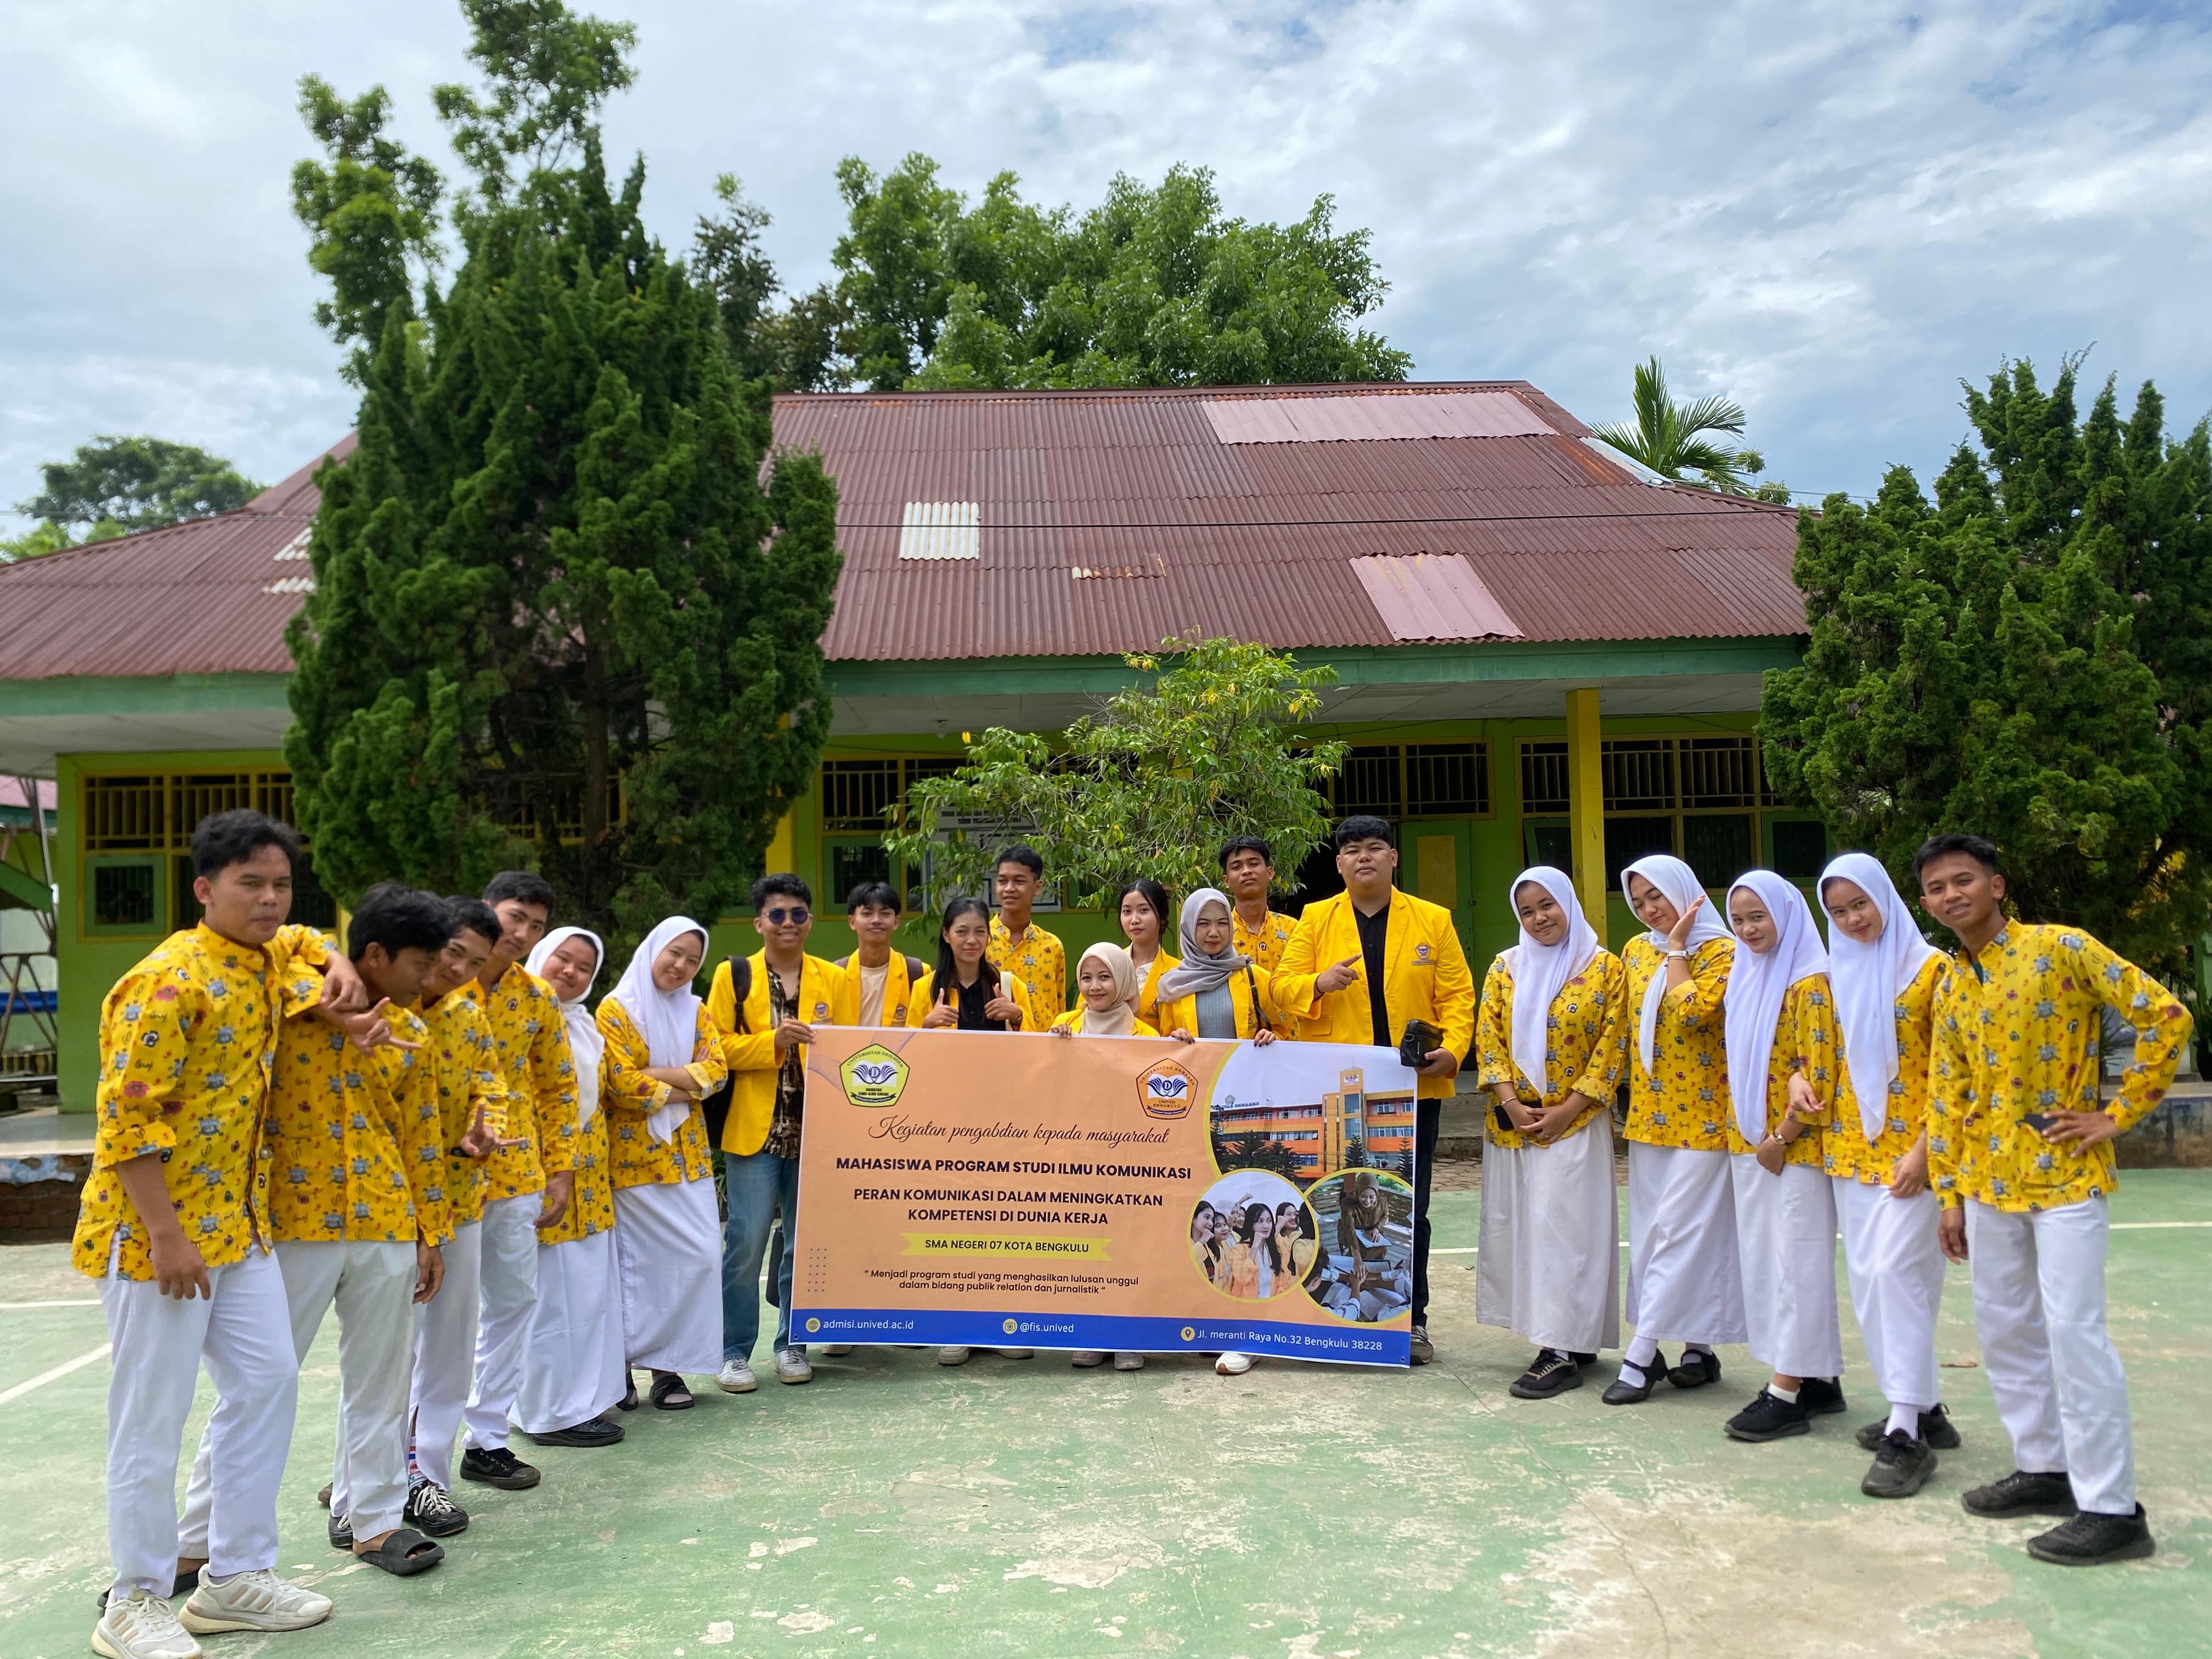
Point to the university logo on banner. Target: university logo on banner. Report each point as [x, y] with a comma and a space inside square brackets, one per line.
[1166, 1089]
[874, 1077]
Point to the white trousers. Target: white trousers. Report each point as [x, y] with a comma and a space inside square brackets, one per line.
[445, 1360]
[238, 1332]
[1785, 1233]
[1896, 1269]
[1685, 1280]
[509, 1289]
[573, 1367]
[669, 1240]
[2039, 1311]
[1549, 1268]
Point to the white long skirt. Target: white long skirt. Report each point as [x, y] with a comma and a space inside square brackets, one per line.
[1785, 1230]
[1685, 1283]
[1549, 1268]
[572, 1357]
[670, 1240]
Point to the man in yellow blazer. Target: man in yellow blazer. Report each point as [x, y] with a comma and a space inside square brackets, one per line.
[764, 1045]
[1362, 964]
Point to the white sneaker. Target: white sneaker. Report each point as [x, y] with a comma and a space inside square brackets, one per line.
[1015, 1354]
[1128, 1362]
[791, 1366]
[1233, 1365]
[142, 1625]
[1086, 1357]
[953, 1356]
[836, 1350]
[736, 1377]
[255, 1600]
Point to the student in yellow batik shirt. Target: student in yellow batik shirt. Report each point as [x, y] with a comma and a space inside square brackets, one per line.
[1258, 933]
[1779, 1028]
[2019, 1145]
[1021, 947]
[1885, 974]
[471, 1115]
[1684, 1283]
[530, 1181]
[356, 1157]
[663, 1058]
[1551, 1033]
[173, 1224]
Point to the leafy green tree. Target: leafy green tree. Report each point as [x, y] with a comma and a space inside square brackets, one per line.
[560, 618]
[1667, 438]
[50, 538]
[795, 345]
[2029, 658]
[1214, 746]
[1153, 287]
[546, 72]
[115, 485]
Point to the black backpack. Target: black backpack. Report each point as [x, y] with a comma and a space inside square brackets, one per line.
[714, 1109]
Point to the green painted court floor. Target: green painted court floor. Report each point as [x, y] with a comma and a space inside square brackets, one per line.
[895, 1508]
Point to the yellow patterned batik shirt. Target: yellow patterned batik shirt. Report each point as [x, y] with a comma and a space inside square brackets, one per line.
[1586, 1034]
[1847, 1152]
[630, 1098]
[1261, 946]
[1804, 1040]
[540, 1077]
[2015, 1029]
[1687, 1104]
[186, 1042]
[1038, 962]
[465, 1065]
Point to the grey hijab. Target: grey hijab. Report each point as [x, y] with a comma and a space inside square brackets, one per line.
[1198, 973]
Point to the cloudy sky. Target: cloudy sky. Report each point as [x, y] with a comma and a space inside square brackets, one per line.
[1830, 210]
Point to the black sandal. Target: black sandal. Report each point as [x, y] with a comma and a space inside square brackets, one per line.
[670, 1395]
[628, 1401]
[403, 1552]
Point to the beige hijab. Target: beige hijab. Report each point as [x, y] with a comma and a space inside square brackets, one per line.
[1121, 1018]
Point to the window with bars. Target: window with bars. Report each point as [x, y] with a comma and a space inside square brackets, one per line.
[154, 814]
[1413, 780]
[858, 794]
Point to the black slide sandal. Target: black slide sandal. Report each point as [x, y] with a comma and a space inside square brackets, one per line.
[404, 1553]
[670, 1395]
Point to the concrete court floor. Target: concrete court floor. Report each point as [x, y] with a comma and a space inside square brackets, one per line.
[895, 1508]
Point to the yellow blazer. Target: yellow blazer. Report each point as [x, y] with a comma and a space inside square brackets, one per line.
[1303, 1250]
[1072, 1021]
[1426, 977]
[924, 995]
[1182, 1013]
[1148, 993]
[751, 1053]
[898, 992]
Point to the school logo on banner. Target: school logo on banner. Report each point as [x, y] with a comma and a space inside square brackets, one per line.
[874, 1077]
[1166, 1089]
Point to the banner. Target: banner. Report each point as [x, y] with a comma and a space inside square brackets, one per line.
[1012, 1189]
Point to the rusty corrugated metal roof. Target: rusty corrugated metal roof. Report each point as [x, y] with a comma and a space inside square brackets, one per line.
[1108, 522]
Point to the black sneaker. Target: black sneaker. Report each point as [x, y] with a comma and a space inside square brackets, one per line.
[1549, 1373]
[1769, 1417]
[1935, 1428]
[1626, 1393]
[2090, 1539]
[1424, 1351]
[1901, 1467]
[592, 1431]
[2021, 1493]
[1821, 1396]
[497, 1468]
[431, 1513]
[1699, 1368]
[340, 1530]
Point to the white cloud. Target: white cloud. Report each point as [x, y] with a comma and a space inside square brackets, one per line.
[1832, 211]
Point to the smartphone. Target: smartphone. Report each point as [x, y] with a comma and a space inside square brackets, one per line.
[1413, 1046]
[2041, 1122]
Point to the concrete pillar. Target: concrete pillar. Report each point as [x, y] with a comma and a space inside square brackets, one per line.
[1586, 804]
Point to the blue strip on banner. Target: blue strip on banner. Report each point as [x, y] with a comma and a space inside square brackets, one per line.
[1354, 1345]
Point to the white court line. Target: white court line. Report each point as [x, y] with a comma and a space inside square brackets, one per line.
[58, 1371]
[17, 1306]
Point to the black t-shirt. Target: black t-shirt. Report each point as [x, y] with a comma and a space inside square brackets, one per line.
[972, 999]
[1374, 932]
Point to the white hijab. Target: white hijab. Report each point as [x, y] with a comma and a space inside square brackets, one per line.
[1541, 970]
[668, 1020]
[1868, 980]
[1678, 885]
[586, 1044]
[1756, 984]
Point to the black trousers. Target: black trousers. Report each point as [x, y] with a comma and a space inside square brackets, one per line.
[1428, 1123]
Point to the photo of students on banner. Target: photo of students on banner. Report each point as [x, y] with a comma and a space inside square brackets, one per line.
[1366, 1273]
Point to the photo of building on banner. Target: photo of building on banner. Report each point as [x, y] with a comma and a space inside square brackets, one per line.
[984, 1190]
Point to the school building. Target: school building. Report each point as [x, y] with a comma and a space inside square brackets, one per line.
[1542, 655]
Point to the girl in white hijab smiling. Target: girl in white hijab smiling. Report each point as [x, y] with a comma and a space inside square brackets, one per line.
[1885, 975]
[1552, 1034]
[572, 1364]
[1684, 1284]
[1780, 1028]
[663, 1058]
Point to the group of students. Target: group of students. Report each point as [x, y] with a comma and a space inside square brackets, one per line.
[508, 1196]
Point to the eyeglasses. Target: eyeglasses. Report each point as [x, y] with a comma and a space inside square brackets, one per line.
[787, 917]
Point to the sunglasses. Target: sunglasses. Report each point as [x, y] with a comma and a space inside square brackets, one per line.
[792, 918]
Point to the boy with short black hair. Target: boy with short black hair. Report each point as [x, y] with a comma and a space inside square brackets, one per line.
[877, 978]
[2019, 1151]
[1018, 944]
[173, 1226]
[1258, 933]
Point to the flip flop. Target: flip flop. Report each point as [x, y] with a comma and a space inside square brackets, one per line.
[404, 1553]
[666, 1391]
